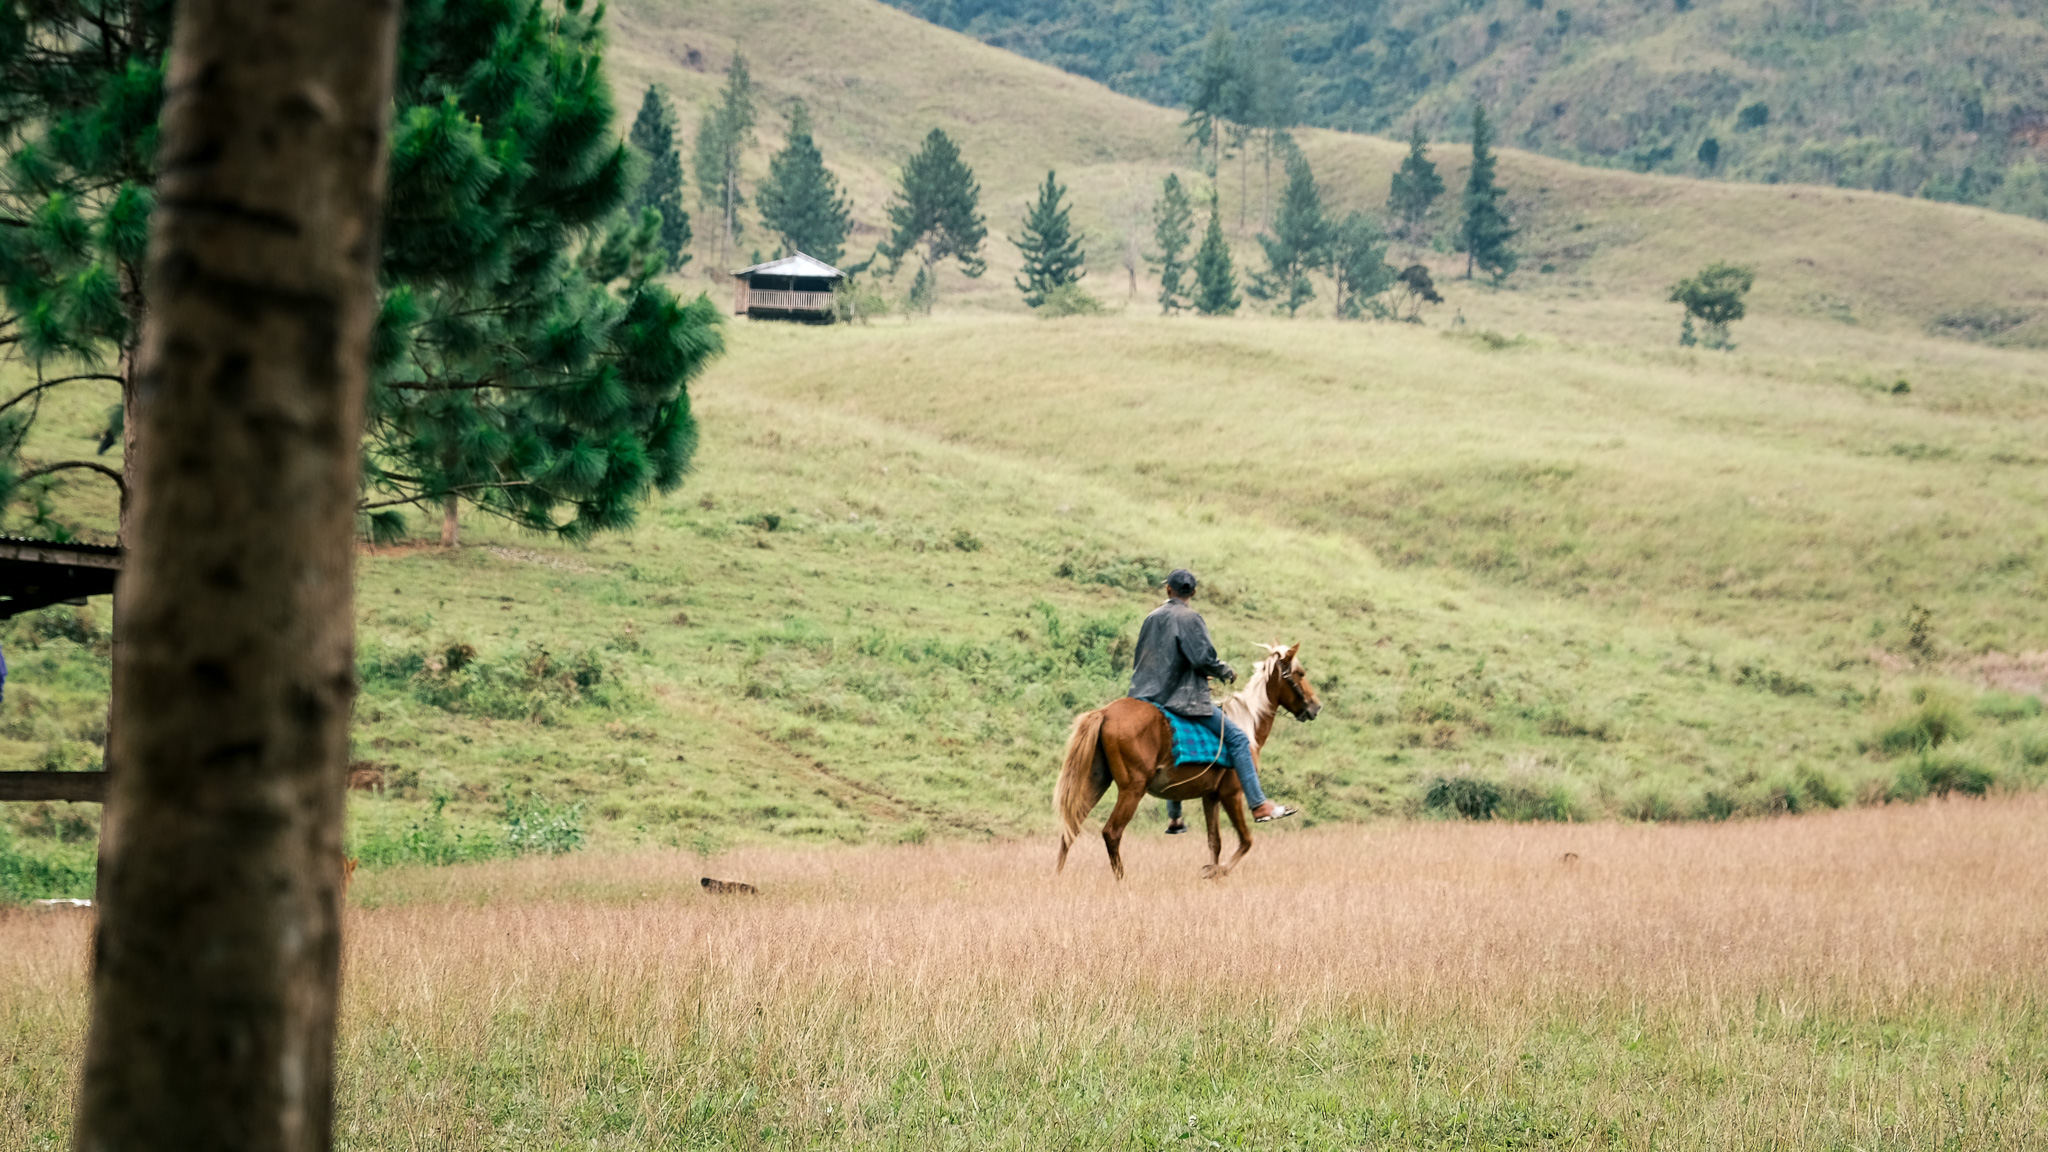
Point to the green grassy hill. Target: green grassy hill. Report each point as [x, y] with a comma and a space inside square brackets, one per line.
[1546, 549]
[1941, 100]
[877, 80]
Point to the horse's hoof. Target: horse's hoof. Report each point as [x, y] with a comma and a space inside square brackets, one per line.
[1214, 872]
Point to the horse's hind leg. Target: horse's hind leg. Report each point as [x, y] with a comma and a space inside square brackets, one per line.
[1240, 819]
[1113, 828]
[1209, 805]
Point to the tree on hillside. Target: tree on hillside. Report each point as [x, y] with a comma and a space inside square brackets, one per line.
[216, 970]
[723, 134]
[1714, 298]
[1358, 263]
[1215, 277]
[525, 361]
[1299, 242]
[1416, 186]
[1486, 231]
[1413, 288]
[936, 215]
[1213, 93]
[801, 202]
[654, 134]
[1272, 105]
[1050, 246]
[1173, 231]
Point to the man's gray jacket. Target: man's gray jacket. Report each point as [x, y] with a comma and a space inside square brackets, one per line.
[1175, 660]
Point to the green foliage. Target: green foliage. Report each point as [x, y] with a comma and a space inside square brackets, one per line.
[1415, 187]
[532, 684]
[1473, 797]
[661, 190]
[1299, 241]
[801, 202]
[937, 213]
[380, 836]
[1939, 719]
[534, 827]
[1052, 252]
[1070, 299]
[1357, 260]
[1213, 96]
[1714, 298]
[1215, 277]
[1173, 220]
[855, 299]
[525, 359]
[723, 134]
[1904, 96]
[1485, 232]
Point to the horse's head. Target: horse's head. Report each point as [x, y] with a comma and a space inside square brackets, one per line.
[1290, 687]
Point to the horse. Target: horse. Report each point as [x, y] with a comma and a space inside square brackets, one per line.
[1128, 742]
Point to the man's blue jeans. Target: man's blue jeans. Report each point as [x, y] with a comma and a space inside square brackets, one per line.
[1239, 746]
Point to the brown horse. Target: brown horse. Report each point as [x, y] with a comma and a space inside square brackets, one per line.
[1129, 743]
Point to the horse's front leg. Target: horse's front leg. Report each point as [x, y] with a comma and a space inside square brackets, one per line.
[1127, 797]
[1210, 871]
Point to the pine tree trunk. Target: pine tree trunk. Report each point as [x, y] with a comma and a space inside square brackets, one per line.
[451, 528]
[1244, 186]
[217, 953]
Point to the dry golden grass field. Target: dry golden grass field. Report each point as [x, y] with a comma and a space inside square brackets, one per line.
[1866, 979]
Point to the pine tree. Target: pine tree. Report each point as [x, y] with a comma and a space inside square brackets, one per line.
[936, 214]
[1213, 92]
[1050, 246]
[1215, 277]
[801, 202]
[81, 84]
[723, 134]
[1358, 264]
[1415, 188]
[1271, 106]
[525, 361]
[662, 189]
[1486, 231]
[1299, 242]
[1173, 221]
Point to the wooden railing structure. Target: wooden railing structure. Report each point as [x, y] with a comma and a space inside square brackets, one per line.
[36, 574]
[748, 298]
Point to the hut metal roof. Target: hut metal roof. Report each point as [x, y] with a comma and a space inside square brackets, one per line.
[799, 265]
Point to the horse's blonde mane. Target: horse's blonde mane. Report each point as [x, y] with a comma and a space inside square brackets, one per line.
[1251, 707]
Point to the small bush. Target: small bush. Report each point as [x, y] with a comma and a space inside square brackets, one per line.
[1771, 680]
[1940, 774]
[2006, 707]
[533, 684]
[1939, 719]
[2032, 748]
[535, 827]
[1069, 299]
[430, 839]
[49, 870]
[1473, 797]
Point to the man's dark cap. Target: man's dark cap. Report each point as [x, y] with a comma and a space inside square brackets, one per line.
[1180, 581]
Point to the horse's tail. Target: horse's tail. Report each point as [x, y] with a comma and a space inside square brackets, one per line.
[1083, 778]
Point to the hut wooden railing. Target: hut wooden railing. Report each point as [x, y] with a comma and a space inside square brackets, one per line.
[793, 301]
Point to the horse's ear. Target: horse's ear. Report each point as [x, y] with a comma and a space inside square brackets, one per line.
[1289, 654]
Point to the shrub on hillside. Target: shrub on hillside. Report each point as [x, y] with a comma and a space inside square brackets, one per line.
[1069, 300]
[1940, 774]
[1473, 797]
[45, 869]
[531, 684]
[534, 826]
[2006, 707]
[1939, 719]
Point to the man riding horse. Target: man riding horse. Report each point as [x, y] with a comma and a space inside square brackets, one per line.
[1174, 662]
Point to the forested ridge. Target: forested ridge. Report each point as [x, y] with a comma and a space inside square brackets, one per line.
[1921, 97]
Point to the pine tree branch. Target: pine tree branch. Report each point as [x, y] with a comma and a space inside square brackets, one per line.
[65, 465]
[46, 385]
[456, 490]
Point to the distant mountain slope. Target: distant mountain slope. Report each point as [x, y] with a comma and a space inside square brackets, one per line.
[1920, 97]
[877, 80]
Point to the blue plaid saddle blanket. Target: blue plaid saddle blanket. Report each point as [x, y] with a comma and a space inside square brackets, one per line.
[1193, 742]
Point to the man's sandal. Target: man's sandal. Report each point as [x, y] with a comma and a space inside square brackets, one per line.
[1279, 812]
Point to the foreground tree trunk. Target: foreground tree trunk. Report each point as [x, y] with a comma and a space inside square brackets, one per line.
[218, 947]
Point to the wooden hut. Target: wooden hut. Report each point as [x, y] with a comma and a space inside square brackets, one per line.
[795, 287]
[36, 574]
